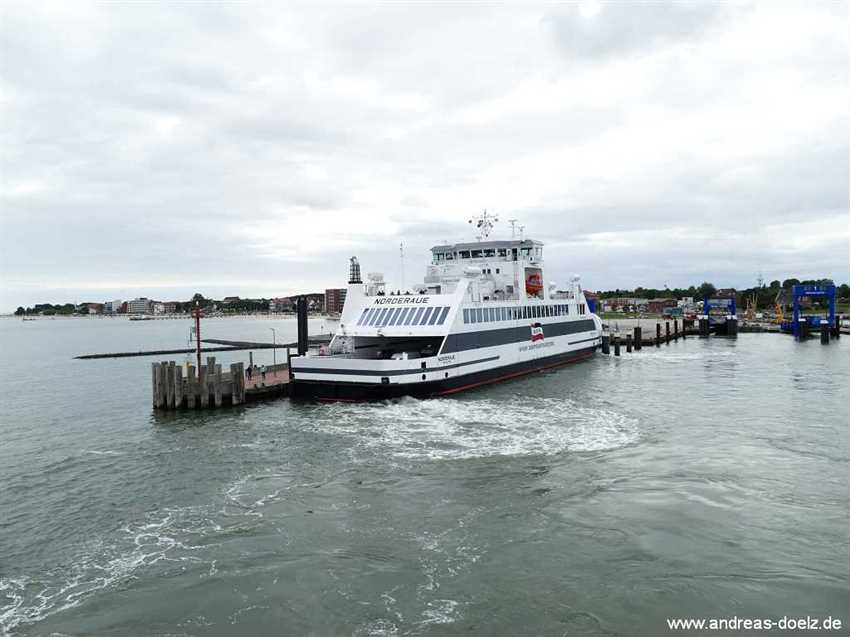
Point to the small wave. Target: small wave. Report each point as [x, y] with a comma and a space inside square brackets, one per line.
[31, 599]
[443, 429]
[104, 452]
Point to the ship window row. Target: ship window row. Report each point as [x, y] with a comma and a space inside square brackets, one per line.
[400, 316]
[516, 313]
[504, 253]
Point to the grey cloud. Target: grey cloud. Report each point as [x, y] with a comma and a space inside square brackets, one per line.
[148, 143]
[621, 28]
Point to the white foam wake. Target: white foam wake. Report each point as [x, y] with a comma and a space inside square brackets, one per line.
[442, 429]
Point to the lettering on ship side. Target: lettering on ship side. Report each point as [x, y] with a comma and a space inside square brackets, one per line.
[402, 300]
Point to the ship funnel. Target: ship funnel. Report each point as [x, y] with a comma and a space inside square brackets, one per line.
[354, 271]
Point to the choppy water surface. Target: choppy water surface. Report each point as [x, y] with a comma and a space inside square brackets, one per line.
[705, 478]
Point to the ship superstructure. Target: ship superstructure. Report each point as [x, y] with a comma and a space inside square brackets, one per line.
[482, 314]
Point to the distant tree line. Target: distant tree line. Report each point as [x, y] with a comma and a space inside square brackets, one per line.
[765, 295]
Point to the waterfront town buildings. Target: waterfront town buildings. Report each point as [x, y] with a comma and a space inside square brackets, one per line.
[334, 300]
[141, 305]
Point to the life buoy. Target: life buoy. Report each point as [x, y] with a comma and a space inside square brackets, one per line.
[534, 283]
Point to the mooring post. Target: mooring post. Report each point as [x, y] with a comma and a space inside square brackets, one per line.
[837, 333]
[178, 386]
[628, 343]
[703, 327]
[606, 343]
[617, 345]
[824, 332]
[191, 387]
[638, 338]
[732, 326]
[658, 335]
[250, 359]
[667, 332]
[684, 330]
[675, 329]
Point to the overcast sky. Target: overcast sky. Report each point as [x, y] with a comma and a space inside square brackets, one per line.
[162, 149]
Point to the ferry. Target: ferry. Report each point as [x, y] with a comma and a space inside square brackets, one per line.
[483, 314]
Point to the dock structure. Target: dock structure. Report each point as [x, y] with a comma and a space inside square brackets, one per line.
[635, 339]
[211, 386]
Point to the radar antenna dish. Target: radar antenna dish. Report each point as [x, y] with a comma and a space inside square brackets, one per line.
[484, 224]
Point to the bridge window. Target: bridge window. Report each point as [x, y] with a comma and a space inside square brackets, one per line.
[419, 311]
[435, 315]
[443, 316]
[479, 315]
[363, 316]
[464, 254]
[476, 254]
[376, 314]
[503, 252]
[409, 317]
[489, 252]
[426, 316]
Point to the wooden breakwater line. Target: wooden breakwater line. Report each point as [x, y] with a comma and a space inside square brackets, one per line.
[210, 386]
[225, 346]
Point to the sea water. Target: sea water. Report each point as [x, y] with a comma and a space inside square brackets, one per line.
[705, 478]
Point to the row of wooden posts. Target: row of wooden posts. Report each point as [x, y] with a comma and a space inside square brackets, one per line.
[211, 386]
[637, 341]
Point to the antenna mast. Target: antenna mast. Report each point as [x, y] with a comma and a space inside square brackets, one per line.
[401, 256]
[484, 224]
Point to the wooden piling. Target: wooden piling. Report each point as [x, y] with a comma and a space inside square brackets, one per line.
[658, 335]
[178, 386]
[675, 329]
[667, 332]
[628, 343]
[638, 338]
[606, 343]
[153, 385]
[617, 345]
[171, 378]
[203, 389]
[157, 385]
[704, 327]
[824, 332]
[218, 385]
[163, 384]
[191, 387]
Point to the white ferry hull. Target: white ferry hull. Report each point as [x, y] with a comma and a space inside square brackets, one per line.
[335, 389]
